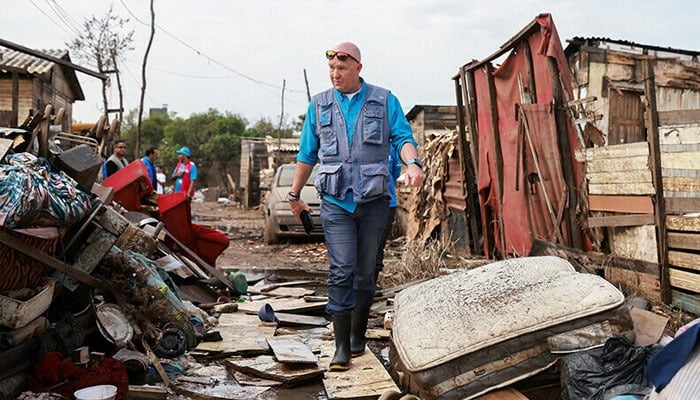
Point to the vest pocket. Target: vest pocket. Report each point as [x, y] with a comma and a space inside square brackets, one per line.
[329, 142]
[372, 131]
[327, 180]
[374, 180]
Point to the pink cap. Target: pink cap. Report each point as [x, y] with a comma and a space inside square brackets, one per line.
[349, 48]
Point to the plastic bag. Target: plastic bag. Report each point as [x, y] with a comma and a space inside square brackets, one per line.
[589, 374]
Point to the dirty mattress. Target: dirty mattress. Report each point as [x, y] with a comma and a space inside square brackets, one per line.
[461, 335]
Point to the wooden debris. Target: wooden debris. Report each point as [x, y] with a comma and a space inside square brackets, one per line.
[266, 288]
[366, 378]
[266, 367]
[289, 305]
[378, 334]
[244, 379]
[297, 319]
[291, 350]
[147, 392]
[242, 334]
[297, 292]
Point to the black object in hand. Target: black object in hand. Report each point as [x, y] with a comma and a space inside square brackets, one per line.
[306, 220]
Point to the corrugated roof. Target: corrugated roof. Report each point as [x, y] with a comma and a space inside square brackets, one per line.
[576, 43]
[15, 60]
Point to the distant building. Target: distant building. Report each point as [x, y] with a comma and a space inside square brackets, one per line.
[158, 111]
[31, 83]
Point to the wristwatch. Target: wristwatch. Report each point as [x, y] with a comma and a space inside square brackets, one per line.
[415, 161]
[293, 196]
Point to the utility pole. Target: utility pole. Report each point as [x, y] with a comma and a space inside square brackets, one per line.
[306, 81]
[279, 128]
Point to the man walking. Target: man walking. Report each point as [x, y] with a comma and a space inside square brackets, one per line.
[349, 129]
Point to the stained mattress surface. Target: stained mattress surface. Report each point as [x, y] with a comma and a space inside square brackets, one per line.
[453, 315]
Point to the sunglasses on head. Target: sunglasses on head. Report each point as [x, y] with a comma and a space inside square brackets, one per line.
[341, 55]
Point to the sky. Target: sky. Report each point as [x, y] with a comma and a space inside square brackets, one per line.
[236, 55]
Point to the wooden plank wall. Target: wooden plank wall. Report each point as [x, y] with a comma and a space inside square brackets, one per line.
[620, 198]
[680, 167]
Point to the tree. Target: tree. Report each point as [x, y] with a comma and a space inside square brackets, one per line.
[102, 43]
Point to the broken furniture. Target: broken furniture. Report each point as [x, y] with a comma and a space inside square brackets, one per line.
[176, 213]
[130, 184]
[500, 323]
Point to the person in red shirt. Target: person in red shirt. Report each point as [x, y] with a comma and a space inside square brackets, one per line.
[185, 172]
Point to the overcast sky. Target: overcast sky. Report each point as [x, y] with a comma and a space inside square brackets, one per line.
[233, 55]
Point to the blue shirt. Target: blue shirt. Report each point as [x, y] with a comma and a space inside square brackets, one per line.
[151, 170]
[394, 173]
[309, 143]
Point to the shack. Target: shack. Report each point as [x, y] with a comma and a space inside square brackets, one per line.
[592, 149]
[30, 83]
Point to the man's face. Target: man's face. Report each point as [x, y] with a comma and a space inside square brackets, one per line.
[154, 155]
[345, 75]
[120, 149]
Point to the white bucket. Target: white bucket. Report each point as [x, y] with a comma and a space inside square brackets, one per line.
[100, 392]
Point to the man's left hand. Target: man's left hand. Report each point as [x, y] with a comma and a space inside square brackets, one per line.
[414, 176]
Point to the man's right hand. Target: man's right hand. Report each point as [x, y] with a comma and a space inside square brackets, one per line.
[297, 207]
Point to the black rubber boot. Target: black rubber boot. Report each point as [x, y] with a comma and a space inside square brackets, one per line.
[357, 331]
[341, 330]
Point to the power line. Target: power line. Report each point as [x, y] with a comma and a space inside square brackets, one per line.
[211, 59]
[62, 15]
[49, 17]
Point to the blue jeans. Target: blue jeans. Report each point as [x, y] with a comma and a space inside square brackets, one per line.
[352, 240]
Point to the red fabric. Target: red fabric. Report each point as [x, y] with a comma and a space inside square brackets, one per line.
[524, 217]
[176, 214]
[210, 243]
[54, 369]
[130, 184]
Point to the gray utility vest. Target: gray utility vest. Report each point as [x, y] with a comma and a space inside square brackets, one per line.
[362, 165]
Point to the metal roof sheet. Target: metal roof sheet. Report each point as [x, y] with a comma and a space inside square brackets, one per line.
[12, 59]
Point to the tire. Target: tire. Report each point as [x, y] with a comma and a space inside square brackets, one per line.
[269, 234]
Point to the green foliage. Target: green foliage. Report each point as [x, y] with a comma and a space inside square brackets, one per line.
[213, 137]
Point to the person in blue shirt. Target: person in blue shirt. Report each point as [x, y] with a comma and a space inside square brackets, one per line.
[149, 160]
[349, 130]
[394, 173]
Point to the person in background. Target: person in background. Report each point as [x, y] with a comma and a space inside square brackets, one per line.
[185, 172]
[349, 128]
[117, 160]
[160, 180]
[149, 160]
[394, 173]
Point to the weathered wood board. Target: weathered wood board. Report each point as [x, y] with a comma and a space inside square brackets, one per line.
[297, 292]
[621, 188]
[685, 280]
[242, 334]
[264, 288]
[625, 204]
[684, 260]
[684, 160]
[288, 305]
[614, 151]
[266, 367]
[680, 240]
[298, 319]
[366, 378]
[291, 350]
[618, 164]
[250, 380]
[678, 223]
